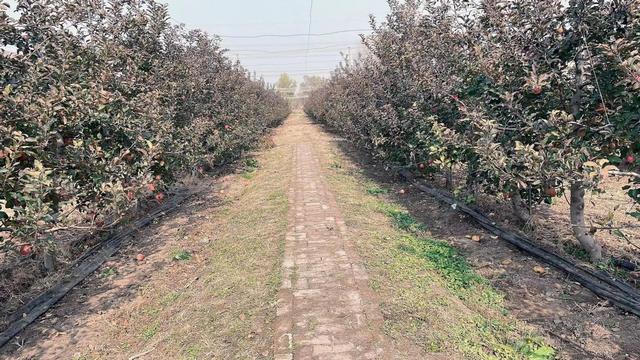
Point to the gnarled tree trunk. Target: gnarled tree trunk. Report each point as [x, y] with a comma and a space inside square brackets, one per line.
[578, 225]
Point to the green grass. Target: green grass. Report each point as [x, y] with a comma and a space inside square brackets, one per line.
[109, 272]
[150, 331]
[181, 255]
[251, 165]
[402, 219]
[374, 190]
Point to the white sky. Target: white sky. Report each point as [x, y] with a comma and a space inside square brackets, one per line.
[271, 56]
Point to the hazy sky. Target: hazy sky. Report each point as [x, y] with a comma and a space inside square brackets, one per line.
[270, 56]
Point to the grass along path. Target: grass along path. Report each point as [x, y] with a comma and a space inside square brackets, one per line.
[429, 295]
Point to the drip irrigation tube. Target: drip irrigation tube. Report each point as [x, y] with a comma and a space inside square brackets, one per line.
[600, 283]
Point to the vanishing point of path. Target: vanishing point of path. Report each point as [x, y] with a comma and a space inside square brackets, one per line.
[325, 308]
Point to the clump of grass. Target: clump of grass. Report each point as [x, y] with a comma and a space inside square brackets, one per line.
[447, 261]
[109, 272]
[374, 190]
[534, 348]
[402, 219]
[576, 251]
[250, 167]
[150, 332]
[181, 255]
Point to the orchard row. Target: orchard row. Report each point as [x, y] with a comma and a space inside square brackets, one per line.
[104, 103]
[528, 98]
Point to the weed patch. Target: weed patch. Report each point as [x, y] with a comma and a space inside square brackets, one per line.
[181, 255]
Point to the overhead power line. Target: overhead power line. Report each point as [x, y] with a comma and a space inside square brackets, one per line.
[306, 60]
[289, 50]
[290, 35]
[334, 55]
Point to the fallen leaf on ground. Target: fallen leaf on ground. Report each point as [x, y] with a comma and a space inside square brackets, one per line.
[507, 262]
[539, 269]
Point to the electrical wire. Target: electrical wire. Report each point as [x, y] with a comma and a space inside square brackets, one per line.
[290, 35]
[290, 50]
[306, 59]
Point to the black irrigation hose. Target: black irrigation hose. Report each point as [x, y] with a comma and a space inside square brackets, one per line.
[83, 267]
[600, 283]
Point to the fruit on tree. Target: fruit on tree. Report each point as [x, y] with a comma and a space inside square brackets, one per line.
[630, 159]
[26, 249]
[401, 191]
[151, 187]
[537, 89]
[421, 166]
[551, 191]
[601, 109]
[160, 197]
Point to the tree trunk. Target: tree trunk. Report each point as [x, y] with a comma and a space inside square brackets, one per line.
[521, 211]
[578, 226]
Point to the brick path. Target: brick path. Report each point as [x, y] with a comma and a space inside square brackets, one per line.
[325, 308]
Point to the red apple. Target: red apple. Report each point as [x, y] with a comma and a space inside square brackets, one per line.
[401, 191]
[552, 192]
[630, 159]
[421, 166]
[160, 197]
[601, 109]
[26, 249]
[151, 187]
[140, 257]
[131, 195]
[537, 89]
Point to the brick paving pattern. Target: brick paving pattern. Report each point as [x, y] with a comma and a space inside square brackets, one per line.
[325, 310]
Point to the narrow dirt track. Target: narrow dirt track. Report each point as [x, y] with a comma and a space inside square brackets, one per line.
[325, 308]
